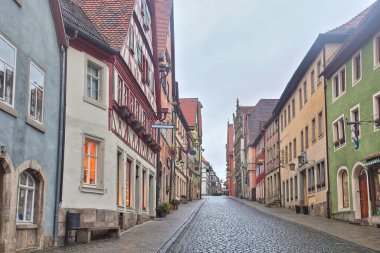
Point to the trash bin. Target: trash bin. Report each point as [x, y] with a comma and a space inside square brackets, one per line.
[72, 220]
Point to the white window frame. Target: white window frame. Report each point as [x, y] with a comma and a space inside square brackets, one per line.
[335, 97]
[98, 186]
[376, 51]
[376, 112]
[355, 81]
[356, 107]
[343, 134]
[103, 82]
[14, 72]
[27, 189]
[43, 93]
[340, 190]
[98, 78]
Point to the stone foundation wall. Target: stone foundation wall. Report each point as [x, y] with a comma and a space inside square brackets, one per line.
[141, 218]
[319, 209]
[345, 216]
[90, 217]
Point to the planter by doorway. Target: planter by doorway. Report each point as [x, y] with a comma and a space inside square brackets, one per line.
[298, 209]
[305, 210]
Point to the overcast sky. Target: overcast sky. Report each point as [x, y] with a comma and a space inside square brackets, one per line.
[246, 49]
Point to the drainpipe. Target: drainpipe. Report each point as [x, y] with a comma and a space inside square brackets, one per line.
[327, 141]
[61, 142]
[159, 170]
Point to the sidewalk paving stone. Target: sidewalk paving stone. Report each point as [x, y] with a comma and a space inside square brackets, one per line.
[148, 237]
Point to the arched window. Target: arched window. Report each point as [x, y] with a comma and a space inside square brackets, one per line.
[26, 192]
[345, 196]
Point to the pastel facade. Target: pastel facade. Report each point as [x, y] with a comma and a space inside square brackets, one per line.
[166, 94]
[353, 94]
[301, 115]
[241, 177]
[31, 113]
[272, 163]
[256, 121]
[230, 160]
[110, 148]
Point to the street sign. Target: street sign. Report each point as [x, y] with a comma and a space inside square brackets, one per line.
[162, 126]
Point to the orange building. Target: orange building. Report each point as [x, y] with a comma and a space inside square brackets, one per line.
[230, 159]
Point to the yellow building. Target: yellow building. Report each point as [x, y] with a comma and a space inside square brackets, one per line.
[301, 116]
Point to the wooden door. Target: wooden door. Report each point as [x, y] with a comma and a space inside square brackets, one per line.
[363, 195]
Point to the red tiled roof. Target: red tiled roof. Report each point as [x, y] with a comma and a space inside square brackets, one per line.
[110, 17]
[163, 13]
[190, 107]
[353, 23]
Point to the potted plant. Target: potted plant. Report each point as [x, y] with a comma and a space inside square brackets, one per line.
[174, 203]
[305, 210]
[160, 211]
[298, 209]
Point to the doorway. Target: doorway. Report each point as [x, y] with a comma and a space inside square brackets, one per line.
[363, 194]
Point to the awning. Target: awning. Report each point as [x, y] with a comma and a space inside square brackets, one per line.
[371, 162]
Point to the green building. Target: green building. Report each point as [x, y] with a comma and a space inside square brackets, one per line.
[353, 95]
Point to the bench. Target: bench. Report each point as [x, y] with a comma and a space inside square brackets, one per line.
[84, 234]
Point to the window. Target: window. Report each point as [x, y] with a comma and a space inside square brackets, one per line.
[144, 190]
[36, 92]
[139, 55]
[345, 196]
[321, 183]
[93, 82]
[338, 132]
[125, 94]
[306, 137]
[91, 162]
[356, 68]
[312, 87]
[285, 118]
[119, 180]
[26, 192]
[128, 183]
[302, 147]
[305, 91]
[287, 190]
[295, 187]
[293, 108]
[282, 122]
[291, 188]
[320, 124]
[355, 116]
[290, 151]
[286, 155]
[7, 70]
[132, 104]
[300, 97]
[294, 148]
[376, 110]
[119, 91]
[376, 50]
[313, 137]
[137, 112]
[311, 180]
[132, 40]
[319, 71]
[289, 116]
[339, 83]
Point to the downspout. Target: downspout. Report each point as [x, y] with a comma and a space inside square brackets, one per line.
[61, 141]
[327, 141]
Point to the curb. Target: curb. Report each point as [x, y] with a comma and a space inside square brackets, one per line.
[303, 225]
[180, 231]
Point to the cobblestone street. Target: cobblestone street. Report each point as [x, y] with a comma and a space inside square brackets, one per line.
[225, 225]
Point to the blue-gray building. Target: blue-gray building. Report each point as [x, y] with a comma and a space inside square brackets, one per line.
[32, 58]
